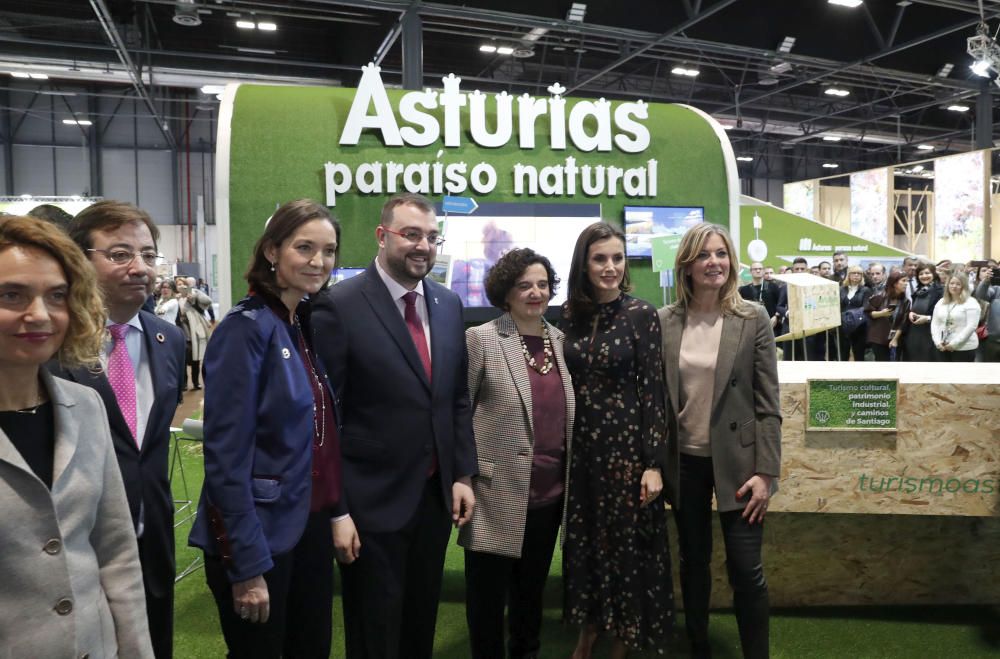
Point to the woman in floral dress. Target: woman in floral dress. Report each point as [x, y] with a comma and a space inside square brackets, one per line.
[616, 560]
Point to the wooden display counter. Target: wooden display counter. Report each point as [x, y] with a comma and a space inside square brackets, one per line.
[910, 516]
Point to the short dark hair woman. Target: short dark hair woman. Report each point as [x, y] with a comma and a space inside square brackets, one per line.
[724, 437]
[918, 345]
[70, 563]
[523, 405]
[272, 459]
[616, 559]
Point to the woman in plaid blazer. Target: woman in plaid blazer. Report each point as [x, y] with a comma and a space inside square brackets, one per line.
[523, 409]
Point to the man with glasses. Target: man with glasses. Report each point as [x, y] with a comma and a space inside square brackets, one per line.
[140, 385]
[393, 344]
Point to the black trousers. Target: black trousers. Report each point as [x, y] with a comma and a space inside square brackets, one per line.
[300, 589]
[159, 612]
[493, 583]
[957, 356]
[881, 352]
[391, 591]
[743, 562]
[195, 367]
[853, 343]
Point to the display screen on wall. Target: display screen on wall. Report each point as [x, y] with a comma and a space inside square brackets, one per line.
[870, 205]
[959, 185]
[643, 223]
[800, 198]
[475, 242]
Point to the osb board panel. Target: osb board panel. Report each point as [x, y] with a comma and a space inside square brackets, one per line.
[942, 460]
[830, 559]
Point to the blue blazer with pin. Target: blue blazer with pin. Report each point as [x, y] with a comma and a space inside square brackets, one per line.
[258, 441]
[393, 417]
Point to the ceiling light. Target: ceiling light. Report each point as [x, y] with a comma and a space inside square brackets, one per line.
[830, 165]
[984, 51]
[981, 68]
[945, 70]
[683, 71]
[267, 26]
[505, 50]
[745, 158]
[535, 34]
[186, 13]
[831, 138]
[26, 196]
[958, 108]
[846, 3]
[256, 51]
[786, 45]
[212, 90]
[244, 24]
[728, 127]
[925, 147]
[487, 48]
[781, 67]
[38, 76]
[78, 122]
[19, 74]
[917, 168]
[576, 12]
[835, 91]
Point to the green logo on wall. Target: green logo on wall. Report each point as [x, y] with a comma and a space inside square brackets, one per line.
[851, 404]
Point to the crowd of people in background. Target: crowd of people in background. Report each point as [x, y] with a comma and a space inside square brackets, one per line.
[917, 311]
[358, 424]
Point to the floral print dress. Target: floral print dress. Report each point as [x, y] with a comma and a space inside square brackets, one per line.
[616, 559]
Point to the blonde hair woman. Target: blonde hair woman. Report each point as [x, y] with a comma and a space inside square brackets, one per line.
[853, 331]
[724, 430]
[72, 582]
[954, 320]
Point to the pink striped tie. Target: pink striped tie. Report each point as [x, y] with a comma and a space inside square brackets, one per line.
[121, 375]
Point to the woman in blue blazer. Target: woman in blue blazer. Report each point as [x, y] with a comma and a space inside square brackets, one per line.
[272, 458]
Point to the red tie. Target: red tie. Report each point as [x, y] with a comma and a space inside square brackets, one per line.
[417, 331]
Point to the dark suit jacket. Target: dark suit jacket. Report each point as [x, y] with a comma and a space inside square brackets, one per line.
[769, 296]
[258, 441]
[145, 472]
[745, 430]
[393, 418]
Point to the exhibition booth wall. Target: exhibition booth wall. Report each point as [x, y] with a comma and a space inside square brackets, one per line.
[354, 148]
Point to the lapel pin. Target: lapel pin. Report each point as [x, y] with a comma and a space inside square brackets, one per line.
[286, 353]
[160, 338]
[435, 300]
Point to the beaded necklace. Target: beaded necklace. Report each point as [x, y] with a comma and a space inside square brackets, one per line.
[548, 362]
[319, 420]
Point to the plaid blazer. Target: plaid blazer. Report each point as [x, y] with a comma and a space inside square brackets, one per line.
[503, 426]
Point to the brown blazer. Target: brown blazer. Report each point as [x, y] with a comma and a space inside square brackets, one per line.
[745, 431]
[502, 421]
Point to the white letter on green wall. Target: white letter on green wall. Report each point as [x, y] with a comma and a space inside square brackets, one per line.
[371, 90]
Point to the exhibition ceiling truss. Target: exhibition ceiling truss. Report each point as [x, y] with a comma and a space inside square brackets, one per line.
[797, 82]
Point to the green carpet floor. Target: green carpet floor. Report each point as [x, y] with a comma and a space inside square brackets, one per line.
[835, 633]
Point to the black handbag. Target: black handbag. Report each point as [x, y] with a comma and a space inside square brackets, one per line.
[852, 319]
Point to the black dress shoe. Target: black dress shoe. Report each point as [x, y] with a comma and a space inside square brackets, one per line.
[197, 387]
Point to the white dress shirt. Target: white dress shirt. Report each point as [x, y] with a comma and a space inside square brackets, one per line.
[397, 291]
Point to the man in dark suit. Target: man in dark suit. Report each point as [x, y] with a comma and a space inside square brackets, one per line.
[762, 291]
[120, 241]
[393, 343]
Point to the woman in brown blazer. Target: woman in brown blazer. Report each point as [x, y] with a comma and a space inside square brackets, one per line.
[724, 427]
[523, 409]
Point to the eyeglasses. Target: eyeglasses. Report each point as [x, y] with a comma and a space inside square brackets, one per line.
[125, 257]
[414, 236]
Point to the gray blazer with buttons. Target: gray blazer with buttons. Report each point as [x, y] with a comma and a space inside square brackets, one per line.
[503, 426]
[70, 567]
[745, 432]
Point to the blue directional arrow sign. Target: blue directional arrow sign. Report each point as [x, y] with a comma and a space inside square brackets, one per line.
[463, 205]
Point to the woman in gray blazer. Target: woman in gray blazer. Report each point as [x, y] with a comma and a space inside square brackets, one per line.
[724, 426]
[523, 409]
[70, 564]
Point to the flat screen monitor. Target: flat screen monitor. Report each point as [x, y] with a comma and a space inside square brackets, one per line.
[340, 274]
[643, 223]
[473, 243]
